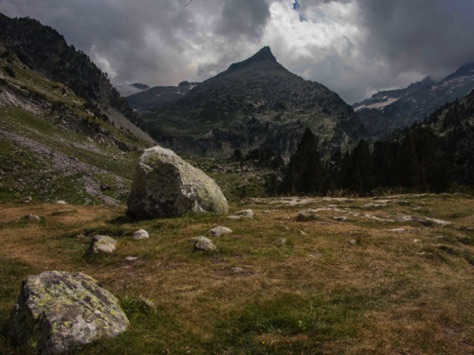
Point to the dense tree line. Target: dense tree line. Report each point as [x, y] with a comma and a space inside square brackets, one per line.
[427, 157]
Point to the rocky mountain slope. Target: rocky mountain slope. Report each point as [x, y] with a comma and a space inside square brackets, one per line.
[63, 130]
[388, 111]
[254, 104]
[130, 89]
[155, 97]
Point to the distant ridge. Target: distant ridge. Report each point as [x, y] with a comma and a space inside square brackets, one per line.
[388, 111]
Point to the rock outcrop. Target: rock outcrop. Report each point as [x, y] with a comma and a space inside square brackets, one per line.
[166, 186]
[57, 312]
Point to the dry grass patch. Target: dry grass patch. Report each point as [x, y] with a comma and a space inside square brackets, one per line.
[273, 286]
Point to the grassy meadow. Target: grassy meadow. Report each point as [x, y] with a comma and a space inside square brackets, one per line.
[372, 283]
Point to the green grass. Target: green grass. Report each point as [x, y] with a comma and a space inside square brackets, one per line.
[317, 293]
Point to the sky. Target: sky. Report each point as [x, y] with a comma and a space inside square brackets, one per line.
[354, 47]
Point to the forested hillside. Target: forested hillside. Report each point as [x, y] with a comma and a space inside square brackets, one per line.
[430, 156]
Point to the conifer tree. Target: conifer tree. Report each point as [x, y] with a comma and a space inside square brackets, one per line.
[304, 173]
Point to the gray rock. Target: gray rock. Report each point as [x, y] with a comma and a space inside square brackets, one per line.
[203, 244]
[57, 312]
[242, 214]
[103, 244]
[220, 231]
[282, 242]
[27, 200]
[33, 218]
[306, 215]
[166, 186]
[245, 213]
[141, 234]
[429, 222]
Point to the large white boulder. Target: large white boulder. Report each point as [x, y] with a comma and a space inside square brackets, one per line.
[166, 186]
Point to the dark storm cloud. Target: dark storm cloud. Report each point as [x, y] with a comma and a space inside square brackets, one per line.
[424, 35]
[118, 31]
[352, 46]
[243, 18]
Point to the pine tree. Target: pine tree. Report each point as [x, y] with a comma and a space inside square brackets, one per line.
[304, 173]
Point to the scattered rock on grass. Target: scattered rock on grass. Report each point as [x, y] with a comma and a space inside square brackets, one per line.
[141, 234]
[33, 218]
[236, 270]
[282, 242]
[103, 244]
[203, 244]
[428, 222]
[306, 215]
[27, 200]
[220, 231]
[57, 312]
[243, 214]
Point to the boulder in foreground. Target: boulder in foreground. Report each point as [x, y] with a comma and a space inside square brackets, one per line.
[166, 186]
[57, 312]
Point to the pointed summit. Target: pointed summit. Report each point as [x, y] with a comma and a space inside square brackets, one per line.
[263, 55]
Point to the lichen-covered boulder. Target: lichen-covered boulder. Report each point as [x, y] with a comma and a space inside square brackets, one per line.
[103, 244]
[166, 186]
[58, 312]
[203, 244]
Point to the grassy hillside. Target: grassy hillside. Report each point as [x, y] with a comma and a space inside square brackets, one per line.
[55, 145]
[380, 281]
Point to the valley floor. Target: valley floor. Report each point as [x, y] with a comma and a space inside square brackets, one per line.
[386, 275]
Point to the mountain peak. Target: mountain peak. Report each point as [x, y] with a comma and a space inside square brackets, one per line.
[263, 55]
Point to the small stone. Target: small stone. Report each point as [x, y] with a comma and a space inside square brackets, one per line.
[282, 242]
[220, 231]
[203, 244]
[340, 218]
[306, 215]
[141, 234]
[353, 242]
[61, 202]
[27, 200]
[237, 270]
[103, 244]
[131, 258]
[33, 218]
[245, 213]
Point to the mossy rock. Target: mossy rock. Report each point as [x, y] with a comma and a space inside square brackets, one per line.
[58, 312]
